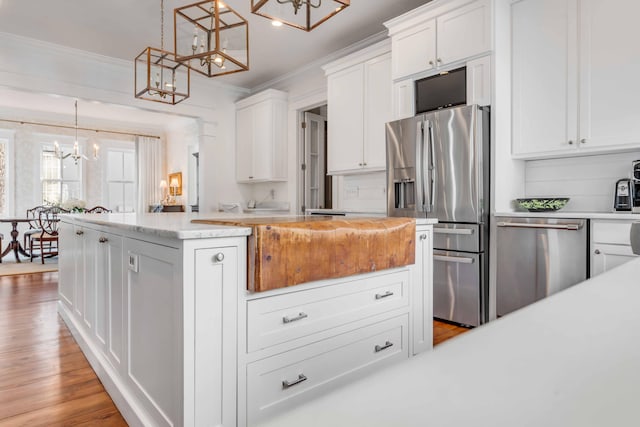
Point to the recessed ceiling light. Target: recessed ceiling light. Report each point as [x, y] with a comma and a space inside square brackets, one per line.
[276, 23]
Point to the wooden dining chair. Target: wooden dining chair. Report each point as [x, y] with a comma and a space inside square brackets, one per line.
[34, 226]
[98, 209]
[47, 240]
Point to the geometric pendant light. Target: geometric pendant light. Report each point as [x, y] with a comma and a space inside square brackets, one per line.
[211, 38]
[303, 14]
[158, 75]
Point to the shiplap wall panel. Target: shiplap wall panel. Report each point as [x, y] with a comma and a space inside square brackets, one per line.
[588, 181]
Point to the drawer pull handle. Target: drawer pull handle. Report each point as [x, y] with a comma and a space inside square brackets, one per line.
[300, 316]
[386, 345]
[103, 240]
[385, 295]
[79, 233]
[286, 384]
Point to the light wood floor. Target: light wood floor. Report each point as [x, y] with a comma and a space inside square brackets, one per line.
[45, 379]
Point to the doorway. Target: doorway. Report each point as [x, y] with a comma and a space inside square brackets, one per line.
[316, 184]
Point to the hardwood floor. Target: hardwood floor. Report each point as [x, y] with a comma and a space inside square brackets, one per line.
[443, 331]
[45, 379]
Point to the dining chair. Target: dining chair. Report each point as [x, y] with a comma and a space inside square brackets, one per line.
[98, 209]
[34, 226]
[47, 240]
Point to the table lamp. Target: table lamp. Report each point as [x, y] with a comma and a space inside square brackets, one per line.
[173, 185]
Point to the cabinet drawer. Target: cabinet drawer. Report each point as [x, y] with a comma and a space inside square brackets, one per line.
[611, 232]
[280, 382]
[278, 319]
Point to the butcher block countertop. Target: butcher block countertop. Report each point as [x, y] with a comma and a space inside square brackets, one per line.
[287, 251]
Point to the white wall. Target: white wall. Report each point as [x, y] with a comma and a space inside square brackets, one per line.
[588, 181]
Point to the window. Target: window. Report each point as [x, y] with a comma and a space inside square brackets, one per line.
[61, 177]
[121, 179]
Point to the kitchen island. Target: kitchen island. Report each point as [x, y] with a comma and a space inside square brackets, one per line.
[570, 360]
[161, 308]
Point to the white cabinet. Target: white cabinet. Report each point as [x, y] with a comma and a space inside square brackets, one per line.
[583, 105]
[439, 34]
[422, 292]
[67, 260]
[610, 244]
[359, 105]
[261, 137]
[162, 337]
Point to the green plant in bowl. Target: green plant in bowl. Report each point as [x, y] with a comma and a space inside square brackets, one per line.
[543, 204]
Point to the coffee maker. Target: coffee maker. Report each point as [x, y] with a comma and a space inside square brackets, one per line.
[635, 187]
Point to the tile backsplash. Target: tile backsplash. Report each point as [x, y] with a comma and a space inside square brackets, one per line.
[589, 181]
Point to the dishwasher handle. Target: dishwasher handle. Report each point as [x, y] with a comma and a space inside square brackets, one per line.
[571, 227]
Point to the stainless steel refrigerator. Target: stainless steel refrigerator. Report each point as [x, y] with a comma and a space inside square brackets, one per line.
[438, 167]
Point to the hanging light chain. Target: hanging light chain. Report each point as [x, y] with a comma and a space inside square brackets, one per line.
[161, 24]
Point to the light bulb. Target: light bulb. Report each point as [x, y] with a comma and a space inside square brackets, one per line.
[276, 23]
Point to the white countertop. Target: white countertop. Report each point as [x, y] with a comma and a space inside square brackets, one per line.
[567, 214]
[167, 224]
[178, 225]
[571, 360]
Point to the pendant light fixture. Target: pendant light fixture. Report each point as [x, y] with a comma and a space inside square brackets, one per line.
[75, 154]
[158, 75]
[303, 14]
[211, 38]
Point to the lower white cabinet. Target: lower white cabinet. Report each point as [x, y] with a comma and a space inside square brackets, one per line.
[422, 292]
[610, 244]
[161, 337]
[282, 381]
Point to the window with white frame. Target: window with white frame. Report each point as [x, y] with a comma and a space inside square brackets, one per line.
[121, 179]
[60, 174]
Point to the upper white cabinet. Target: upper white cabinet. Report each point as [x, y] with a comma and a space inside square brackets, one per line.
[359, 105]
[261, 137]
[438, 34]
[574, 66]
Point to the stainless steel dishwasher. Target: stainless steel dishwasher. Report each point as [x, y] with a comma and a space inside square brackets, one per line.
[537, 257]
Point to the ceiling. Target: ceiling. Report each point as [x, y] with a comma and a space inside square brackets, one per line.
[123, 28]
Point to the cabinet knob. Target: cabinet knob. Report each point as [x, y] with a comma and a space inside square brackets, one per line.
[439, 60]
[597, 252]
[359, 164]
[570, 142]
[423, 237]
[103, 240]
[583, 141]
[430, 62]
[364, 164]
[250, 177]
[79, 233]
[219, 257]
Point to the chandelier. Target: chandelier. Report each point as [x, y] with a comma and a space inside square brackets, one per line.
[75, 155]
[157, 73]
[211, 38]
[303, 14]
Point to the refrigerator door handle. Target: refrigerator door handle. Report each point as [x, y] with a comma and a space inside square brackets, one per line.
[456, 259]
[432, 168]
[465, 231]
[420, 175]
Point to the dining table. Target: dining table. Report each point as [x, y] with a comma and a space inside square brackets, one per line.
[14, 245]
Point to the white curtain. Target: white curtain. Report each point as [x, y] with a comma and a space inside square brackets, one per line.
[150, 153]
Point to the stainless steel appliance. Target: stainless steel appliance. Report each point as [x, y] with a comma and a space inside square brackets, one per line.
[438, 167]
[635, 198]
[635, 237]
[623, 195]
[537, 257]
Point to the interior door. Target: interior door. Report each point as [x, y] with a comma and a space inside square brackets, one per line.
[315, 161]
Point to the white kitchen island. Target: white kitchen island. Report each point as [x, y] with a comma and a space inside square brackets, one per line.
[570, 360]
[160, 307]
